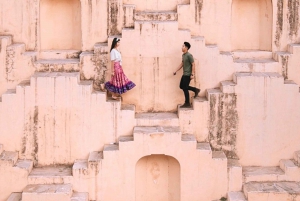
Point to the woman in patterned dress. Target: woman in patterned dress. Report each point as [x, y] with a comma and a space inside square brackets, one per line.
[119, 83]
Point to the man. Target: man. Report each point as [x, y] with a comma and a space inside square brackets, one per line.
[188, 65]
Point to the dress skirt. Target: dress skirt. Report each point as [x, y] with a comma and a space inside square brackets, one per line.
[119, 83]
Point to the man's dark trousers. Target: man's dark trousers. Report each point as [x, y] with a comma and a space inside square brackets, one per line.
[185, 86]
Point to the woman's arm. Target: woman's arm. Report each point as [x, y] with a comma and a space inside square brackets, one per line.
[112, 68]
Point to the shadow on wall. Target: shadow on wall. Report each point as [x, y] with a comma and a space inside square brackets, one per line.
[157, 178]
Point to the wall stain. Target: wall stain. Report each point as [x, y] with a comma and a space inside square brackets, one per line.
[284, 63]
[279, 22]
[198, 10]
[293, 17]
[35, 135]
[113, 15]
[223, 123]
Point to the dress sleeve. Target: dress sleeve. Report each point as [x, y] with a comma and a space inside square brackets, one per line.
[191, 58]
[113, 55]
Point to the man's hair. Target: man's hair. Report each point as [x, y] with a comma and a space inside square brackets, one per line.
[188, 45]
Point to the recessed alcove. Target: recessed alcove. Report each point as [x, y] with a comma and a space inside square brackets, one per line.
[251, 25]
[157, 178]
[60, 24]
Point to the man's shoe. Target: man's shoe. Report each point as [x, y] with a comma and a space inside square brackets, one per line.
[186, 105]
[196, 93]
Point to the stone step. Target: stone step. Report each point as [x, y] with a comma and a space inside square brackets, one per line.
[49, 192]
[59, 54]
[256, 65]
[15, 197]
[51, 175]
[8, 158]
[110, 150]
[278, 56]
[236, 196]
[141, 133]
[16, 49]
[205, 149]
[5, 40]
[294, 48]
[80, 167]
[57, 65]
[272, 191]
[263, 174]
[157, 119]
[292, 171]
[95, 157]
[80, 197]
[252, 54]
[156, 16]
[26, 165]
[219, 155]
[227, 86]
[31, 55]
[297, 157]
[213, 92]
[101, 48]
[235, 175]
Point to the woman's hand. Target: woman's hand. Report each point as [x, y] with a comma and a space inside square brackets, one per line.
[112, 74]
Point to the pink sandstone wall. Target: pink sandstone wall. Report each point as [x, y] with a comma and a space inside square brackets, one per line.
[247, 57]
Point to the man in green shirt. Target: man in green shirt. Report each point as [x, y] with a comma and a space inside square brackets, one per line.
[188, 65]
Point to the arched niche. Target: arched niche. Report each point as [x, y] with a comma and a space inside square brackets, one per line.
[60, 24]
[157, 178]
[251, 25]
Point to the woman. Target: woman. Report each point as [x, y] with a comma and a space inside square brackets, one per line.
[119, 83]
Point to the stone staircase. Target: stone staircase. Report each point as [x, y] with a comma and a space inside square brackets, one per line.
[25, 94]
[264, 183]
[43, 183]
[155, 132]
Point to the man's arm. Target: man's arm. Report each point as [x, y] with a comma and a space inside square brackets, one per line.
[193, 71]
[179, 67]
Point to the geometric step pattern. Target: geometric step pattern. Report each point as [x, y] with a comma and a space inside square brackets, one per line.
[272, 191]
[157, 119]
[57, 65]
[236, 196]
[80, 197]
[287, 171]
[53, 192]
[156, 16]
[15, 197]
[9, 158]
[51, 175]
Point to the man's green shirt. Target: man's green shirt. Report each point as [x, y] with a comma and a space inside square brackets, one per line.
[187, 60]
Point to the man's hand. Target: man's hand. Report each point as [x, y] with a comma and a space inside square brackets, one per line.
[192, 76]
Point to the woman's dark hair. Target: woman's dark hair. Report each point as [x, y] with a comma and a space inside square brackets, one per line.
[114, 43]
[188, 45]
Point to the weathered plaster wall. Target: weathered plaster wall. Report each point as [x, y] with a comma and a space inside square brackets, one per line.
[19, 18]
[269, 113]
[52, 119]
[286, 23]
